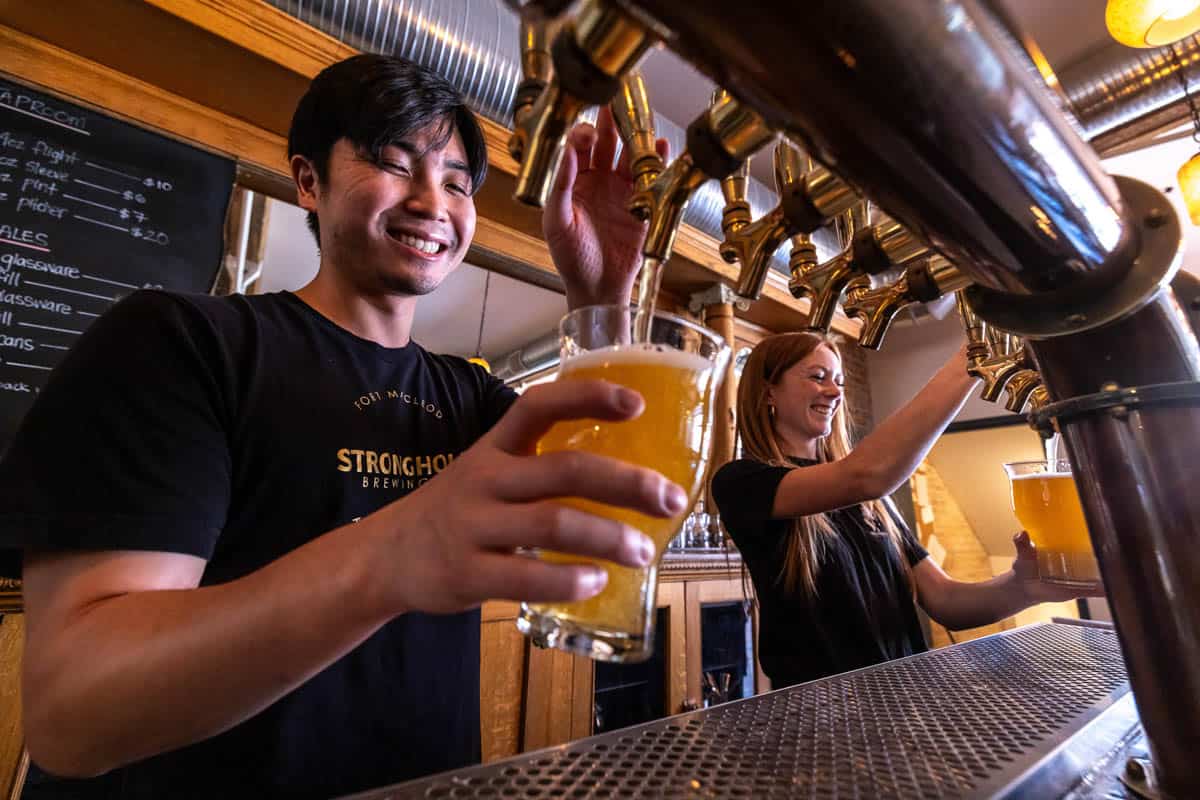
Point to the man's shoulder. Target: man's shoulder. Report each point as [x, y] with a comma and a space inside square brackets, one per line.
[472, 383]
[163, 304]
[462, 370]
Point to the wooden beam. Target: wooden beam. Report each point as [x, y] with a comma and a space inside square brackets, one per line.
[93, 85]
[263, 29]
[285, 40]
[296, 46]
[169, 65]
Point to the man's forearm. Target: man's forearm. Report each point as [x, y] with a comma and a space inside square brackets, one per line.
[145, 672]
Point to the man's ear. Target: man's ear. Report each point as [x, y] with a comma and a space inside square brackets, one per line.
[308, 185]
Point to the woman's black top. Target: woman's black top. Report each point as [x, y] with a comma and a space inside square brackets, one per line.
[863, 613]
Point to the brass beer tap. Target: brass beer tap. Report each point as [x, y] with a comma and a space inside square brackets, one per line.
[736, 216]
[994, 356]
[997, 371]
[922, 281]
[719, 140]
[752, 244]
[1039, 397]
[590, 53]
[635, 125]
[537, 69]
[1020, 388]
[873, 250]
[808, 273]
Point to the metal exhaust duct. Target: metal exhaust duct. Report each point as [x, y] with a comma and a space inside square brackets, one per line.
[1118, 93]
[474, 44]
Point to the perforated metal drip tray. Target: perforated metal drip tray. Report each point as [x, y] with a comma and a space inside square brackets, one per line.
[964, 721]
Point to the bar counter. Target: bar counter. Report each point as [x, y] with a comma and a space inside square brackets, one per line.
[1041, 711]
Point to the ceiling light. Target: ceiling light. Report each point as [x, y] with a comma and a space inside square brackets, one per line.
[1152, 23]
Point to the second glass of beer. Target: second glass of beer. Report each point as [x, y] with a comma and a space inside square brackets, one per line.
[677, 373]
[1047, 505]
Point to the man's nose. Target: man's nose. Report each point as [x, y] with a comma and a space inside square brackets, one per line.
[425, 198]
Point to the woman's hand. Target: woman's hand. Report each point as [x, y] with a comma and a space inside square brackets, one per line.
[1025, 567]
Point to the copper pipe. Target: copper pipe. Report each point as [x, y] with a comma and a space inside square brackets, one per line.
[1137, 474]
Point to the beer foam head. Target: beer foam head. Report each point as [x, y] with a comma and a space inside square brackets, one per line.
[631, 354]
[1042, 475]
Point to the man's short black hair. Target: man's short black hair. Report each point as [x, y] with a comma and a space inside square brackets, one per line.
[374, 101]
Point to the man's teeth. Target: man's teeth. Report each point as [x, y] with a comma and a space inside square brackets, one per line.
[827, 410]
[424, 245]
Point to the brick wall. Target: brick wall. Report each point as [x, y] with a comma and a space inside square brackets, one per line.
[965, 559]
[858, 388]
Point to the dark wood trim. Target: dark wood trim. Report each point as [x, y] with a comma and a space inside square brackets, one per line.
[1010, 420]
[10, 596]
[687, 565]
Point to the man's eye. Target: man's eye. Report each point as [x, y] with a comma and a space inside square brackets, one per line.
[457, 188]
[392, 166]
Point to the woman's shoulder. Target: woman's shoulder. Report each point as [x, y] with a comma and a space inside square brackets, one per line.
[741, 468]
[745, 488]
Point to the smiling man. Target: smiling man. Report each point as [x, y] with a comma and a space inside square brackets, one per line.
[261, 574]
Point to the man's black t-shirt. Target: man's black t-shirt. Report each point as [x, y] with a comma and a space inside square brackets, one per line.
[237, 429]
[863, 613]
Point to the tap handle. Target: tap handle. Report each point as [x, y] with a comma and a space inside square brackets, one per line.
[977, 343]
[733, 187]
[1020, 388]
[635, 125]
[1039, 397]
[537, 70]
[802, 261]
[725, 135]
[736, 214]
[536, 63]
[791, 165]
[854, 219]
[591, 52]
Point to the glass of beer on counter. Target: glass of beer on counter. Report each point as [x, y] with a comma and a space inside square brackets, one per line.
[677, 372]
[1047, 505]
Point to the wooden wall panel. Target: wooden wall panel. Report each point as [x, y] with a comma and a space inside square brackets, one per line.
[501, 680]
[12, 744]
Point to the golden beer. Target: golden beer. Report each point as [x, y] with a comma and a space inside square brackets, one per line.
[1047, 506]
[671, 436]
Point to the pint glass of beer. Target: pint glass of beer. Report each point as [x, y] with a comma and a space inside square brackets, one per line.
[677, 373]
[1047, 505]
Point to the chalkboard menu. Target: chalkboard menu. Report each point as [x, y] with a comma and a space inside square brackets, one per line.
[90, 210]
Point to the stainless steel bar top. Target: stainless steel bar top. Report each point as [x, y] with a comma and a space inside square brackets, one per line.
[1024, 713]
